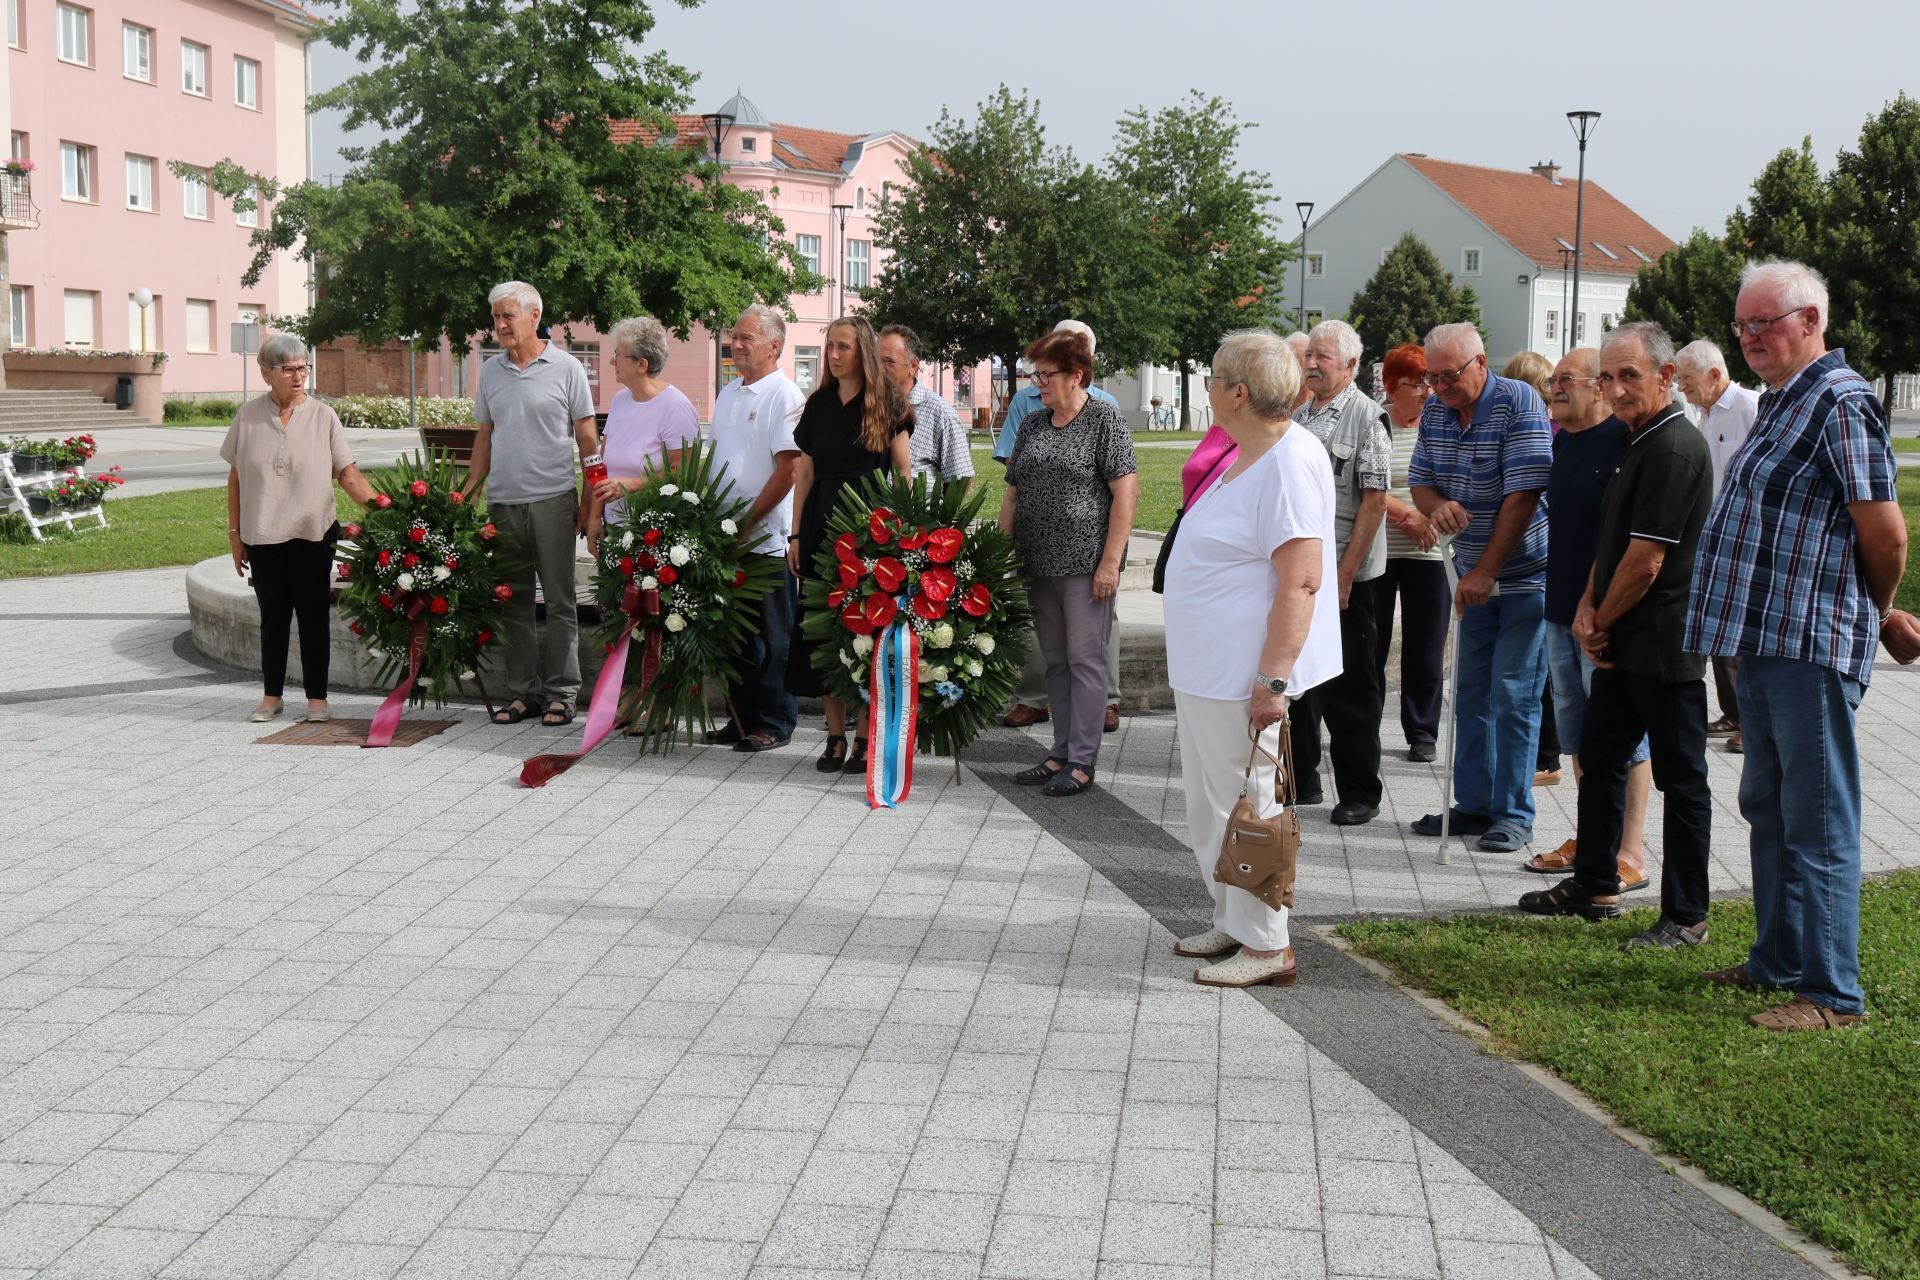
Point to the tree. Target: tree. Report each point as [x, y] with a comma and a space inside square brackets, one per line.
[1407, 296]
[502, 164]
[1690, 291]
[1873, 250]
[1216, 260]
[996, 237]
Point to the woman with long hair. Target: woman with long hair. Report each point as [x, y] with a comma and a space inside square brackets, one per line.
[856, 423]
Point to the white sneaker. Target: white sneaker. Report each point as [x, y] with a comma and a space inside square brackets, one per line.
[1246, 971]
[1214, 942]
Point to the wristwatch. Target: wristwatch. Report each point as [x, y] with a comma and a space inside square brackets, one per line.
[1275, 685]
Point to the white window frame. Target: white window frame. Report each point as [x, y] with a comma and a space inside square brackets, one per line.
[193, 196]
[193, 69]
[859, 263]
[140, 171]
[136, 52]
[1579, 328]
[808, 248]
[1314, 316]
[747, 145]
[246, 83]
[74, 42]
[76, 172]
[91, 302]
[1316, 266]
[1553, 324]
[14, 34]
[249, 217]
[806, 368]
[19, 316]
[1470, 260]
[202, 307]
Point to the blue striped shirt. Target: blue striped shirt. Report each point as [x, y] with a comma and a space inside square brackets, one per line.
[1777, 573]
[1507, 448]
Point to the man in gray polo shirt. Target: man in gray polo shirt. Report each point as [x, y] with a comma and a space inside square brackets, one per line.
[534, 406]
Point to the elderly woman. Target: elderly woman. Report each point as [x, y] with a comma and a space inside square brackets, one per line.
[1072, 486]
[1248, 626]
[1415, 578]
[283, 453]
[856, 423]
[648, 421]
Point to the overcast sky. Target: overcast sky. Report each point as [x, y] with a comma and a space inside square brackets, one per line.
[1695, 98]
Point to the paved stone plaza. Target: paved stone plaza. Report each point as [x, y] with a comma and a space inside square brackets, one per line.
[322, 1012]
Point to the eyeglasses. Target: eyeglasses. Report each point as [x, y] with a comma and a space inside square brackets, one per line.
[299, 369]
[1754, 328]
[1211, 381]
[1565, 380]
[1042, 377]
[1448, 379]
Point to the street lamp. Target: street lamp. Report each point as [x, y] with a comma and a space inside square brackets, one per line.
[841, 211]
[1566, 262]
[1305, 209]
[143, 298]
[1583, 123]
[717, 123]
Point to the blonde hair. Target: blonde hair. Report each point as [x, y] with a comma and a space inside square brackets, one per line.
[1265, 365]
[1531, 368]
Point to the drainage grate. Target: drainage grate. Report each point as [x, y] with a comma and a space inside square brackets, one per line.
[351, 733]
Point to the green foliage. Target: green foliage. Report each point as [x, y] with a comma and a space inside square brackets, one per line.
[500, 163]
[179, 411]
[846, 573]
[1690, 292]
[696, 615]
[1822, 1128]
[1407, 296]
[1214, 256]
[389, 413]
[996, 237]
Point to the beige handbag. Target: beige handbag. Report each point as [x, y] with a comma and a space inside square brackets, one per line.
[1259, 854]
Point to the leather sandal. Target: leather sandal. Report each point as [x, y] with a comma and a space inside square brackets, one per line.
[1040, 775]
[857, 758]
[1065, 783]
[1734, 977]
[558, 715]
[1557, 863]
[760, 740]
[513, 713]
[1802, 1014]
[830, 760]
[1570, 898]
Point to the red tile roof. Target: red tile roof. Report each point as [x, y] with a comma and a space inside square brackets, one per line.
[1533, 214]
[820, 151]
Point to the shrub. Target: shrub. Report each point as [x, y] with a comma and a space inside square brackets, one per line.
[389, 413]
[222, 410]
[198, 411]
[178, 411]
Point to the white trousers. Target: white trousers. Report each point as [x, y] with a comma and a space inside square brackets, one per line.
[1213, 760]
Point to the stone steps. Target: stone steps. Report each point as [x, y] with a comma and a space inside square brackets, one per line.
[64, 412]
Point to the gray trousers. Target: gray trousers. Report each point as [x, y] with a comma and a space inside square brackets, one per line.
[1032, 689]
[1072, 628]
[541, 536]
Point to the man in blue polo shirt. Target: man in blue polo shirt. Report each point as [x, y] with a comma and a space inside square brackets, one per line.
[1482, 460]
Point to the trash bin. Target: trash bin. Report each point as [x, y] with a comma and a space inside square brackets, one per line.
[123, 392]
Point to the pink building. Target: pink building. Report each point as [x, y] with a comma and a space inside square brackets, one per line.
[101, 96]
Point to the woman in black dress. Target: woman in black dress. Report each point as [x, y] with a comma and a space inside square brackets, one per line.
[857, 423]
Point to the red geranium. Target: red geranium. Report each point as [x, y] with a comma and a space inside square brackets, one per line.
[889, 574]
[487, 531]
[977, 600]
[418, 488]
[385, 557]
[943, 545]
[668, 575]
[417, 534]
[651, 537]
[439, 604]
[503, 592]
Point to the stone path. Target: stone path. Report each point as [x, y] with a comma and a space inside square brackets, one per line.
[278, 1011]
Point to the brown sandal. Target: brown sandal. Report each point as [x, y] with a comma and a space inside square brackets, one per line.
[1802, 1014]
[1559, 862]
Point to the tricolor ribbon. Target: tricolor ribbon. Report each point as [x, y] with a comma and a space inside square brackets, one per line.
[602, 712]
[387, 718]
[895, 714]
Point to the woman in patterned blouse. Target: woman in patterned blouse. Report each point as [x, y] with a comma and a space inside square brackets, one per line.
[1072, 486]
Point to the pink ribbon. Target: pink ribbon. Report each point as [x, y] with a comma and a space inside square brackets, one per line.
[537, 771]
[387, 718]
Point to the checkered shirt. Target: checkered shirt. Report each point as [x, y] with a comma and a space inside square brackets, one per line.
[939, 437]
[1507, 448]
[1777, 573]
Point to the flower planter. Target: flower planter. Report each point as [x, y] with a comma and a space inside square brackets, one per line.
[27, 464]
[38, 505]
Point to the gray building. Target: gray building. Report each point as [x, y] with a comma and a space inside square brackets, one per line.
[1505, 232]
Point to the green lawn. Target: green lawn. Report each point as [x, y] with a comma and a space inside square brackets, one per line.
[1159, 483]
[1906, 442]
[1908, 597]
[1823, 1129]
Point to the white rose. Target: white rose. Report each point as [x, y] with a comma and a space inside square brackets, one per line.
[690, 496]
[404, 582]
[649, 583]
[983, 642]
[676, 623]
[626, 540]
[668, 490]
[846, 659]
[941, 636]
[974, 669]
[939, 674]
[863, 645]
[441, 573]
[679, 554]
[729, 528]
[927, 676]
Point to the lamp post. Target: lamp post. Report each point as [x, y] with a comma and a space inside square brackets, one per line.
[1566, 324]
[1583, 123]
[1305, 209]
[717, 124]
[840, 249]
[143, 298]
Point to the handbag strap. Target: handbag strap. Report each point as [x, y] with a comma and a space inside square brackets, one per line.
[1201, 488]
[1282, 769]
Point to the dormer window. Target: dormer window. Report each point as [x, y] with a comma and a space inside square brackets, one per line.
[747, 144]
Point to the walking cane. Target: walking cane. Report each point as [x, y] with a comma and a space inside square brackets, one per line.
[1453, 693]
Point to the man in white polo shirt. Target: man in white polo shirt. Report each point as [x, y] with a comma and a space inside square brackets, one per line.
[753, 422]
[534, 407]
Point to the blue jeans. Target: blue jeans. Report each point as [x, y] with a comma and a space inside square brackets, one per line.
[1571, 674]
[1503, 667]
[1800, 793]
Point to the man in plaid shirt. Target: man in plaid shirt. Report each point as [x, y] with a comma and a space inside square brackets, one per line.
[1797, 570]
[939, 443]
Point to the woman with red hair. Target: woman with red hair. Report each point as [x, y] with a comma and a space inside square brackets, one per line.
[1414, 571]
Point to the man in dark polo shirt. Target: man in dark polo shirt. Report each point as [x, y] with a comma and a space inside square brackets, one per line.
[1630, 622]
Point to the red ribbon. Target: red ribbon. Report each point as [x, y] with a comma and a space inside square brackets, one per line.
[537, 771]
[387, 718]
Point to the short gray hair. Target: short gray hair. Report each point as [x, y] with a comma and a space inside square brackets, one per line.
[1079, 326]
[642, 338]
[519, 292]
[772, 324]
[279, 349]
[1443, 336]
[1701, 356]
[1653, 340]
[1796, 286]
[1264, 364]
[1344, 339]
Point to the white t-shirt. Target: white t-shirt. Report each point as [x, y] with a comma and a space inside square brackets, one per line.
[1221, 579]
[750, 425]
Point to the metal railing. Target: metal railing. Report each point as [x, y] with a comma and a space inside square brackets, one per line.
[17, 211]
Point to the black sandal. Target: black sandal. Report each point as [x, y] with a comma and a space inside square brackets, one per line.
[1065, 784]
[831, 760]
[560, 709]
[1569, 898]
[857, 759]
[513, 713]
[1040, 774]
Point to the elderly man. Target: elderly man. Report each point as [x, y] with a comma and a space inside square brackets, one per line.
[1629, 624]
[1586, 450]
[534, 406]
[1483, 457]
[1798, 568]
[1030, 697]
[1353, 429]
[1726, 415]
[753, 420]
[939, 445]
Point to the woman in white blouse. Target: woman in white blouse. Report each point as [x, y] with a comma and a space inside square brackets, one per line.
[1248, 627]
